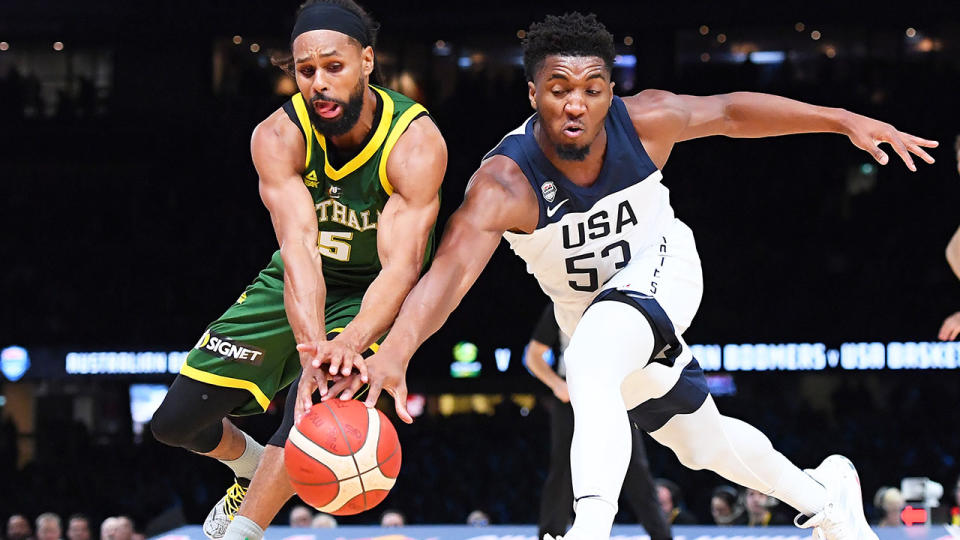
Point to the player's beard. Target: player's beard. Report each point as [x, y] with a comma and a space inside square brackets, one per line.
[572, 152]
[348, 118]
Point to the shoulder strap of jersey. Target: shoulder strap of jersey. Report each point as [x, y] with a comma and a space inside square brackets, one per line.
[518, 145]
[621, 118]
[296, 109]
[407, 117]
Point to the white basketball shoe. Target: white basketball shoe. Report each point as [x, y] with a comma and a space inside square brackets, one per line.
[571, 535]
[219, 518]
[842, 516]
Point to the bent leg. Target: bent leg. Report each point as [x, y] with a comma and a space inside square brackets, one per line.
[193, 416]
[739, 452]
[270, 488]
[611, 340]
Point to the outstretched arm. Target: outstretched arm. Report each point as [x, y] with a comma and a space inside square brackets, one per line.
[278, 154]
[415, 169]
[662, 119]
[496, 201]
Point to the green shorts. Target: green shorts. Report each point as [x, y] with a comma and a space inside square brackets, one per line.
[251, 346]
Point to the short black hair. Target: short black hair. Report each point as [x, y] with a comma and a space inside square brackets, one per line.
[284, 60]
[571, 34]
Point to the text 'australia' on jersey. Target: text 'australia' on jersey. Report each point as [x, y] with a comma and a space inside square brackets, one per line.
[349, 199]
[585, 235]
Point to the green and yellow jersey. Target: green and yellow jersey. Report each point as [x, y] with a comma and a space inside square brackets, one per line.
[251, 346]
[350, 198]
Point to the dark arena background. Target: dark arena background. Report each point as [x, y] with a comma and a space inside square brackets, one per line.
[131, 219]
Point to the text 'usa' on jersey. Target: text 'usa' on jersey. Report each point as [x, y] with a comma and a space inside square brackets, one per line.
[585, 235]
[350, 198]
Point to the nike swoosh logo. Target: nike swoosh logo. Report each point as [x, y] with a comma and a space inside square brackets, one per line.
[552, 211]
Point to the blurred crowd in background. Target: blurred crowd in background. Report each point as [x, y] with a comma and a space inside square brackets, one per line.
[448, 472]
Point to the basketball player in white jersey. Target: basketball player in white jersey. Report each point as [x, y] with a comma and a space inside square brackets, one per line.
[576, 192]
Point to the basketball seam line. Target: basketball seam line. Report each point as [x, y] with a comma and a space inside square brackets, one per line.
[377, 466]
[353, 455]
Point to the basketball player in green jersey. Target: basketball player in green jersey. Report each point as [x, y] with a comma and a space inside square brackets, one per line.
[351, 175]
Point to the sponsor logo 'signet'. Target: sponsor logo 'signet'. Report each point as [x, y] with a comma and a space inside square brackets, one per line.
[224, 347]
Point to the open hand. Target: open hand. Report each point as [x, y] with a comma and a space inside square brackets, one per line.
[345, 388]
[867, 134]
[341, 358]
[311, 379]
[390, 374]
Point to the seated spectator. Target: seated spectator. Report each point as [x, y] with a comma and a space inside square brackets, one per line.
[48, 526]
[759, 510]
[18, 528]
[890, 503]
[323, 521]
[949, 510]
[124, 529]
[300, 516]
[392, 518]
[108, 529]
[478, 518]
[78, 528]
[671, 502]
[725, 507]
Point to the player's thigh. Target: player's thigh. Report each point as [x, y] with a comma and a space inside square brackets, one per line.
[611, 340]
[248, 347]
[670, 272]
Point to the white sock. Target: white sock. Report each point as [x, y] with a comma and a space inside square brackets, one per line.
[594, 516]
[739, 452]
[611, 340]
[245, 465]
[800, 491]
[242, 528]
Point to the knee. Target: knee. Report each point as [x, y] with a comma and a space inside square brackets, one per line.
[163, 429]
[170, 430]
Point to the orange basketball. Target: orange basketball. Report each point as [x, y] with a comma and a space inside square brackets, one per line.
[342, 458]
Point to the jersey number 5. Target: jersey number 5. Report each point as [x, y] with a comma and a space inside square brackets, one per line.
[334, 245]
[593, 276]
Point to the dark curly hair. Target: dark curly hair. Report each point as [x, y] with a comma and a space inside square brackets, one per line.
[572, 34]
[284, 59]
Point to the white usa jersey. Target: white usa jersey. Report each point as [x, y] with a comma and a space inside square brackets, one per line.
[586, 235]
